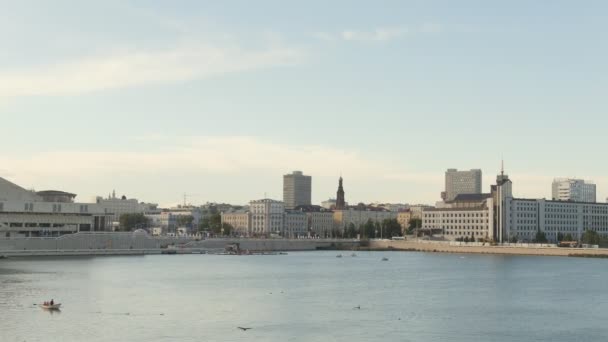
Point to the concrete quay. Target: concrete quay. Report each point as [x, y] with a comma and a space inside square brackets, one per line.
[80, 244]
[445, 247]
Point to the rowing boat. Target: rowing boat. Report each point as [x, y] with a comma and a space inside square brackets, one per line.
[51, 307]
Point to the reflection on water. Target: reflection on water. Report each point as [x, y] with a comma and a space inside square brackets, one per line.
[310, 296]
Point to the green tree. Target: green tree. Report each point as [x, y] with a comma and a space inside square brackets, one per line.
[369, 230]
[351, 231]
[185, 220]
[568, 237]
[472, 237]
[414, 223]
[513, 239]
[560, 237]
[390, 228]
[591, 237]
[540, 237]
[228, 228]
[129, 222]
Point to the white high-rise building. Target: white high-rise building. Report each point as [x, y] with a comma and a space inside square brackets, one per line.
[461, 182]
[574, 190]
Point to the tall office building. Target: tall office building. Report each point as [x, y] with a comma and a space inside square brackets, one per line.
[296, 190]
[461, 182]
[574, 190]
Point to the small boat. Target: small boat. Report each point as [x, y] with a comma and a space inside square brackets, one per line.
[55, 306]
[339, 256]
[385, 259]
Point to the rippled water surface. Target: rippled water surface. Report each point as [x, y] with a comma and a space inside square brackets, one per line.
[307, 296]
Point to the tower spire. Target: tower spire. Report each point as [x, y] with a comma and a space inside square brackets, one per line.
[502, 166]
[340, 203]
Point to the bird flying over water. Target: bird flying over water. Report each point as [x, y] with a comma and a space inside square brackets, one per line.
[244, 329]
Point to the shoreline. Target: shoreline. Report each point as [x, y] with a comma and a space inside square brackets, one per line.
[430, 247]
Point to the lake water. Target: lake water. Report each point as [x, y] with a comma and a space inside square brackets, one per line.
[306, 296]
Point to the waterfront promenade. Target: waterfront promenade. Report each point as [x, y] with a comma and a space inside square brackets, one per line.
[119, 243]
[446, 247]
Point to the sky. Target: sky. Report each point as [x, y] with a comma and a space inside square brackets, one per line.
[219, 99]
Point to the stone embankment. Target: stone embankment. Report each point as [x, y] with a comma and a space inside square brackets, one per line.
[445, 247]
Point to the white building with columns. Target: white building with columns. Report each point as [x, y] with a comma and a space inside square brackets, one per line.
[267, 216]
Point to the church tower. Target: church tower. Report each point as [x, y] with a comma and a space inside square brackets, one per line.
[340, 203]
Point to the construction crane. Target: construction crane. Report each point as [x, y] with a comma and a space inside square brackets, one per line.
[186, 196]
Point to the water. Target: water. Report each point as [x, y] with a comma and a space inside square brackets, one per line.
[308, 296]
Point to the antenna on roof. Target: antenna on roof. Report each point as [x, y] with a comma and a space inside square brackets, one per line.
[502, 166]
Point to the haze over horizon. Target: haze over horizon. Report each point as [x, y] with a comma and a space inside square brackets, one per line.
[220, 99]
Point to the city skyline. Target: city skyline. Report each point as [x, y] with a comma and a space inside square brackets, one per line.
[184, 196]
[190, 99]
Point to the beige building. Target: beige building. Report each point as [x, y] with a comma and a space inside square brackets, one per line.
[239, 220]
[343, 218]
[404, 218]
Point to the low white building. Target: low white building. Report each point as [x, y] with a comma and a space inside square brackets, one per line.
[329, 204]
[170, 218]
[121, 205]
[47, 213]
[461, 222]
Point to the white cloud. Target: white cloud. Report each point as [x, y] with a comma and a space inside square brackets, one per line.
[131, 68]
[380, 34]
[221, 160]
[221, 155]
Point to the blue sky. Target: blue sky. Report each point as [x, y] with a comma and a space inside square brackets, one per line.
[220, 98]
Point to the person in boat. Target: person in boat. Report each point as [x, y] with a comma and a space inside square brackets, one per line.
[52, 302]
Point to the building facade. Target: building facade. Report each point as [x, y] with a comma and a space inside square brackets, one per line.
[404, 217]
[331, 204]
[321, 223]
[526, 217]
[266, 217]
[24, 213]
[296, 190]
[344, 218]
[461, 182]
[575, 190]
[295, 224]
[121, 205]
[461, 222]
[239, 220]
